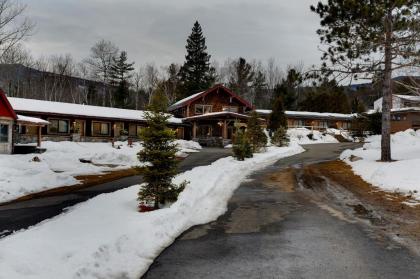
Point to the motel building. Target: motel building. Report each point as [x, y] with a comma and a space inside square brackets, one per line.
[210, 117]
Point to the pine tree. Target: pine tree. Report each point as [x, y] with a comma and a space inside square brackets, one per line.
[255, 133]
[288, 88]
[241, 78]
[196, 74]
[357, 105]
[120, 73]
[277, 116]
[364, 38]
[159, 153]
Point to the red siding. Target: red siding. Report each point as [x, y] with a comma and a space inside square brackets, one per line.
[6, 109]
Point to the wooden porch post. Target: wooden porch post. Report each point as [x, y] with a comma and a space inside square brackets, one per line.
[39, 137]
[194, 130]
[225, 130]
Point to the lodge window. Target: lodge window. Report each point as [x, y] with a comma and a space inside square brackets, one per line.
[323, 124]
[134, 130]
[100, 128]
[58, 126]
[203, 109]
[230, 108]
[4, 133]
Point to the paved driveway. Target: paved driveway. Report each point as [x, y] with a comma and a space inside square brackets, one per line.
[273, 229]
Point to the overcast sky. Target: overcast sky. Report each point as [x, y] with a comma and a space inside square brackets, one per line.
[156, 30]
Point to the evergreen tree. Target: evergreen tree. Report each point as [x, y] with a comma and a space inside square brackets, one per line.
[241, 79]
[159, 153]
[277, 117]
[196, 74]
[280, 137]
[120, 73]
[259, 87]
[327, 97]
[370, 37]
[241, 147]
[255, 133]
[288, 88]
[357, 105]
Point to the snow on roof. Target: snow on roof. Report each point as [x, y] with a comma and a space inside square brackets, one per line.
[40, 106]
[405, 109]
[310, 114]
[31, 120]
[186, 99]
[409, 97]
[219, 113]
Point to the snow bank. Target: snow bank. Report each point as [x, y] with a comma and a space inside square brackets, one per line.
[20, 175]
[106, 237]
[301, 136]
[401, 175]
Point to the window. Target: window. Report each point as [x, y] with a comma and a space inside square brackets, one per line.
[4, 133]
[58, 126]
[203, 109]
[230, 108]
[100, 129]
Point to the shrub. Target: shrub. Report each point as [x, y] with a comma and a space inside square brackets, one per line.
[241, 147]
[280, 137]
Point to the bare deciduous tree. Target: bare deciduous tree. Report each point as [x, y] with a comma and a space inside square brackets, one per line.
[13, 26]
[100, 60]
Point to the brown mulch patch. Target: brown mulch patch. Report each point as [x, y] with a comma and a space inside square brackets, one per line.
[403, 219]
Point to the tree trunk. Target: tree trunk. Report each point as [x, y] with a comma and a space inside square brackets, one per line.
[387, 94]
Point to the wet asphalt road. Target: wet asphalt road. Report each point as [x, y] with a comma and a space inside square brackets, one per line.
[27, 213]
[275, 232]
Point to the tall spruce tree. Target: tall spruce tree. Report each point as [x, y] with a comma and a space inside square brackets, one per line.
[196, 74]
[120, 72]
[241, 78]
[159, 153]
[277, 116]
[364, 38]
[255, 134]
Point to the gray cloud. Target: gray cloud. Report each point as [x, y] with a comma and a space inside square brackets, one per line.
[156, 31]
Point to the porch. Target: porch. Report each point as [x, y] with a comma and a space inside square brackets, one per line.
[216, 129]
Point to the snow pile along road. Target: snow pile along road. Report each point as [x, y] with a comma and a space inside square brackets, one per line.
[306, 136]
[117, 241]
[399, 176]
[21, 175]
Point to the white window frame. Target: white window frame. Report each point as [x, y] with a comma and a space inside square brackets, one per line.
[205, 109]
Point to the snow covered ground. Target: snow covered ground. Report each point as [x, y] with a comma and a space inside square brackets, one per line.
[20, 175]
[399, 176]
[301, 136]
[106, 237]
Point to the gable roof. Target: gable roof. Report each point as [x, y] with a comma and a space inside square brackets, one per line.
[188, 100]
[7, 107]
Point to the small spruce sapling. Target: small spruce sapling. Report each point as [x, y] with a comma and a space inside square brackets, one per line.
[159, 155]
[241, 147]
[255, 133]
[280, 137]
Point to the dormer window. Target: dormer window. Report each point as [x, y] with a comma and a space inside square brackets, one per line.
[203, 109]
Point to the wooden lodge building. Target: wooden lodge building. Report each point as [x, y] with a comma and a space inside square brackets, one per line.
[209, 117]
[405, 112]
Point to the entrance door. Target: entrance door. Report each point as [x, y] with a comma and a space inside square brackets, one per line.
[79, 127]
[5, 137]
